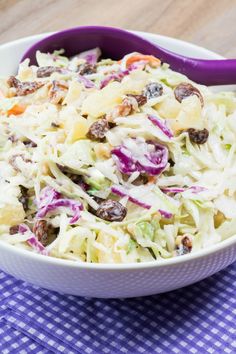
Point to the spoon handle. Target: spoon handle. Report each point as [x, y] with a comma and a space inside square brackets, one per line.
[209, 72]
[203, 71]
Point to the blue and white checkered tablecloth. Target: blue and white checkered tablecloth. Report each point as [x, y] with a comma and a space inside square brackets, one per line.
[197, 319]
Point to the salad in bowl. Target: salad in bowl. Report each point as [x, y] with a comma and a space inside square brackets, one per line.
[105, 161]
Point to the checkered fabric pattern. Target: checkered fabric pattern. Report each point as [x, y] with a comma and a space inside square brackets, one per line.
[197, 319]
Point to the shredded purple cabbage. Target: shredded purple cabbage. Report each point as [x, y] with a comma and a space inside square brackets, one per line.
[121, 192]
[113, 77]
[175, 190]
[165, 214]
[118, 76]
[162, 125]
[87, 83]
[146, 157]
[118, 191]
[124, 160]
[50, 200]
[197, 189]
[91, 56]
[137, 65]
[33, 241]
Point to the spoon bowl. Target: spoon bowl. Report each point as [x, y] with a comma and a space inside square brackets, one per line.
[115, 43]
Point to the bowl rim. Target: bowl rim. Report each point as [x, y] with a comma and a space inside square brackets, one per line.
[120, 266]
[117, 266]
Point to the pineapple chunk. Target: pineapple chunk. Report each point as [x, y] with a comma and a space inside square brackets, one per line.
[73, 94]
[102, 151]
[11, 210]
[103, 101]
[76, 129]
[4, 88]
[219, 218]
[79, 129]
[75, 126]
[189, 115]
[135, 82]
[12, 214]
[169, 108]
[109, 242]
[78, 154]
[25, 72]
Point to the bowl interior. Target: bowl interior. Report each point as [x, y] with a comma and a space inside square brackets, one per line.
[12, 52]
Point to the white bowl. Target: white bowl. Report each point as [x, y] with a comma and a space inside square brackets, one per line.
[105, 280]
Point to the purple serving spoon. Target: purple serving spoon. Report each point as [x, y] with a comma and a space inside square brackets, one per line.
[115, 43]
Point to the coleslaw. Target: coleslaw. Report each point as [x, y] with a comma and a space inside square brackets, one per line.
[110, 161]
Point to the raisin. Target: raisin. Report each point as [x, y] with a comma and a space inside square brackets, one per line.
[151, 252]
[13, 81]
[46, 71]
[57, 91]
[141, 99]
[185, 90]
[98, 130]
[44, 232]
[153, 90]
[112, 125]
[24, 198]
[12, 138]
[77, 179]
[198, 136]
[55, 125]
[87, 69]
[171, 162]
[23, 88]
[141, 180]
[30, 143]
[98, 201]
[14, 230]
[111, 210]
[185, 246]
[187, 243]
[128, 105]
[13, 161]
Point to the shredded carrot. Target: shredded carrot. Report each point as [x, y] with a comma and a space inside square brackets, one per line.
[152, 179]
[16, 109]
[148, 58]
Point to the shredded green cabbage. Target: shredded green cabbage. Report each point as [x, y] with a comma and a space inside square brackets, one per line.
[169, 194]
